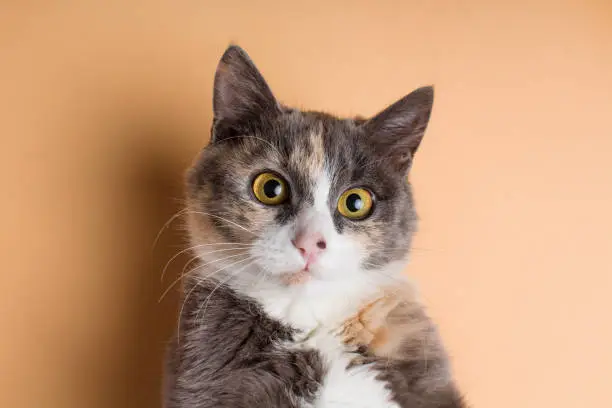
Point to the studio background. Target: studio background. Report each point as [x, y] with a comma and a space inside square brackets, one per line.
[103, 104]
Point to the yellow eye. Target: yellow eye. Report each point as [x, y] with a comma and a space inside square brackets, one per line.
[355, 203]
[270, 189]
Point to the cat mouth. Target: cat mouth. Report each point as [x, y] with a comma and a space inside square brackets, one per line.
[297, 278]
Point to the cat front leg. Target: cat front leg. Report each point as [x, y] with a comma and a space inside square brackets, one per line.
[275, 379]
[398, 340]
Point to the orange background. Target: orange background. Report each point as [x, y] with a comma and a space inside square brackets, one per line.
[103, 104]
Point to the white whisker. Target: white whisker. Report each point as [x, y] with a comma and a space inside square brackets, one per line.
[376, 269]
[224, 219]
[203, 309]
[166, 225]
[198, 283]
[201, 246]
[177, 280]
[257, 138]
[261, 276]
[189, 262]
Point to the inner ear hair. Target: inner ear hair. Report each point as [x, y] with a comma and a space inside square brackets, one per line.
[398, 130]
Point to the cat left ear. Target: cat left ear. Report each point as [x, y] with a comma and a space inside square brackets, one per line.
[397, 131]
[241, 98]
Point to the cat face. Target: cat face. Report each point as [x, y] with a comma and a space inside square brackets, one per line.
[292, 196]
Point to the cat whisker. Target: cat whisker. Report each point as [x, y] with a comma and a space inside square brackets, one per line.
[402, 251]
[177, 280]
[165, 226]
[257, 138]
[197, 284]
[188, 263]
[224, 219]
[378, 271]
[201, 246]
[203, 309]
[211, 274]
[261, 276]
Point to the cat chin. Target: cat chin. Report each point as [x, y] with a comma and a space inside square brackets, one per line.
[298, 278]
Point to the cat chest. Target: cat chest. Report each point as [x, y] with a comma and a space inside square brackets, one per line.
[341, 386]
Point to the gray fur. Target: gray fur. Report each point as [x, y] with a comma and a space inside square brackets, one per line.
[233, 358]
[228, 352]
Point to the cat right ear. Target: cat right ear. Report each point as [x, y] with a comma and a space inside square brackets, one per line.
[397, 131]
[242, 98]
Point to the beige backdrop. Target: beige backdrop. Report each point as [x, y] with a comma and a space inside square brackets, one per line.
[103, 105]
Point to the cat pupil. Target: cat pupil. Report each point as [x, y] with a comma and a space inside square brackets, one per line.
[354, 203]
[272, 188]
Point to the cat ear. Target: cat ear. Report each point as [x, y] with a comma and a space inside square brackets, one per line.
[397, 131]
[241, 96]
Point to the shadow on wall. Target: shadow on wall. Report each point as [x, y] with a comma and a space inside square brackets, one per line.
[149, 194]
[161, 190]
[154, 322]
[155, 143]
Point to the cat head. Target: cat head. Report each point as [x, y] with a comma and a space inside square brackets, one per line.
[293, 196]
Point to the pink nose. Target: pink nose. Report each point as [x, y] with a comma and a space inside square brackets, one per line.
[310, 246]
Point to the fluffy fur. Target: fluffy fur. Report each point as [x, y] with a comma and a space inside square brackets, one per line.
[342, 335]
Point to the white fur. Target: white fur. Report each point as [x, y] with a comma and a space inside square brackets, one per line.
[355, 388]
[339, 285]
[337, 289]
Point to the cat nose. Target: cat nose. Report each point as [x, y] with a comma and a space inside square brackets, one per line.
[310, 245]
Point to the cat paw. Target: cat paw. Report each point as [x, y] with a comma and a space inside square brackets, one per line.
[355, 334]
[357, 354]
[304, 337]
[360, 359]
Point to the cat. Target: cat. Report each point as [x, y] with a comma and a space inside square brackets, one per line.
[302, 224]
